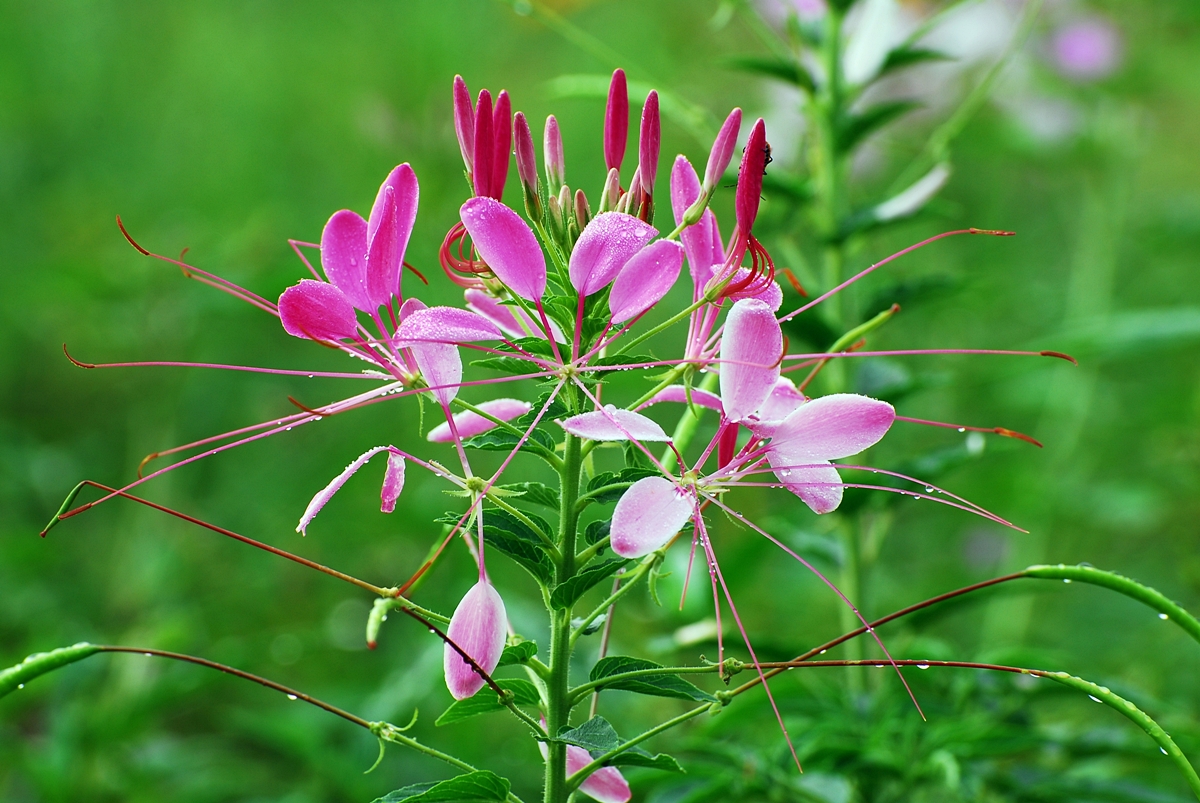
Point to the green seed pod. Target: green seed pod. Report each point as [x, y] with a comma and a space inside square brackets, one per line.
[15, 677]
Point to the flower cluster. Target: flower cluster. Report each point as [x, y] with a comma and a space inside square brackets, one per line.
[553, 298]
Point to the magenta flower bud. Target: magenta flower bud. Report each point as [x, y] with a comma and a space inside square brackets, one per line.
[649, 140]
[393, 483]
[616, 121]
[501, 144]
[478, 628]
[482, 176]
[722, 150]
[611, 193]
[750, 177]
[552, 152]
[464, 121]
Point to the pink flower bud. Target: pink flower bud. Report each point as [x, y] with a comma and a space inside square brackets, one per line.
[501, 144]
[552, 152]
[464, 121]
[583, 210]
[393, 483]
[616, 121]
[722, 150]
[482, 177]
[649, 140]
[526, 157]
[478, 627]
[612, 191]
[750, 177]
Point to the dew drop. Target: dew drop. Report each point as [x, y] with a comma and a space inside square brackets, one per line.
[287, 429]
[1066, 580]
[431, 630]
[20, 685]
[822, 652]
[962, 429]
[1163, 616]
[1163, 750]
[292, 697]
[922, 666]
[1095, 699]
[928, 489]
[149, 655]
[310, 376]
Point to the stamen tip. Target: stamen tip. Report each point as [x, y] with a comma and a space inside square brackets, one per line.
[76, 362]
[993, 232]
[132, 242]
[1060, 355]
[1009, 433]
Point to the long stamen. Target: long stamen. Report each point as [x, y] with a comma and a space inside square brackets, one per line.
[221, 366]
[1002, 431]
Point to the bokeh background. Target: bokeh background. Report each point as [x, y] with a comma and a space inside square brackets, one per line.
[226, 128]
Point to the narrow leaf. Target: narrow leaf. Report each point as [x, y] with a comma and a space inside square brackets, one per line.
[656, 685]
[480, 786]
[537, 492]
[789, 70]
[854, 128]
[566, 594]
[907, 56]
[486, 701]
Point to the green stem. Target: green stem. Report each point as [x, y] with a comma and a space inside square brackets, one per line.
[558, 705]
[390, 733]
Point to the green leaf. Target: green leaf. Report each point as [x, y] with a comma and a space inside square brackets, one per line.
[789, 70]
[518, 653]
[638, 460]
[598, 737]
[513, 537]
[907, 56]
[537, 492]
[597, 531]
[611, 486]
[621, 359]
[474, 787]
[854, 128]
[566, 594]
[502, 440]
[40, 663]
[486, 701]
[508, 365]
[655, 685]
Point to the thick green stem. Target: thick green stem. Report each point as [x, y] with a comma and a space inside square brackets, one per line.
[558, 702]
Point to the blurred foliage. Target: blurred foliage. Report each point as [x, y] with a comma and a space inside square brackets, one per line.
[229, 127]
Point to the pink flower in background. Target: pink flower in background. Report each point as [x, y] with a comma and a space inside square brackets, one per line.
[1087, 49]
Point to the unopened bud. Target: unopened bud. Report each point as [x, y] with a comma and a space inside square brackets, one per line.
[722, 150]
[583, 212]
[464, 121]
[552, 152]
[611, 193]
[750, 177]
[649, 139]
[616, 121]
[527, 166]
[501, 144]
[484, 157]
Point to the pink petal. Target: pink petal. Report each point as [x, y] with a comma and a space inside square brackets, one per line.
[722, 149]
[771, 295]
[445, 325]
[470, 423]
[782, 402]
[613, 424]
[478, 627]
[648, 515]
[344, 256]
[441, 367]
[606, 784]
[506, 317]
[507, 245]
[382, 256]
[645, 279]
[393, 483]
[326, 493]
[678, 393]
[402, 181]
[317, 311]
[552, 153]
[833, 427]
[698, 240]
[751, 346]
[604, 247]
[818, 485]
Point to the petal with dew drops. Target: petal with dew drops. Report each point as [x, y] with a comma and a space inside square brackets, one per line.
[750, 352]
[679, 394]
[406, 194]
[326, 493]
[469, 423]
[479, 628]
[816, 482]
[607, 784]
[344, 256]
[507, 245]
[393, 483]
[608, 242]
[833, 427]
[645, 279]
[647, 516]
[382, 256]
[317, 311]
[783, 401]
[441, 366]
[614, 424]
[445, 325]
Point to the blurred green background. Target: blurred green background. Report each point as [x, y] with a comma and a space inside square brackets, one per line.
[228, 127]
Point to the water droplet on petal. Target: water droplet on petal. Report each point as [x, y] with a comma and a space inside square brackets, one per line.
[293, 697]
